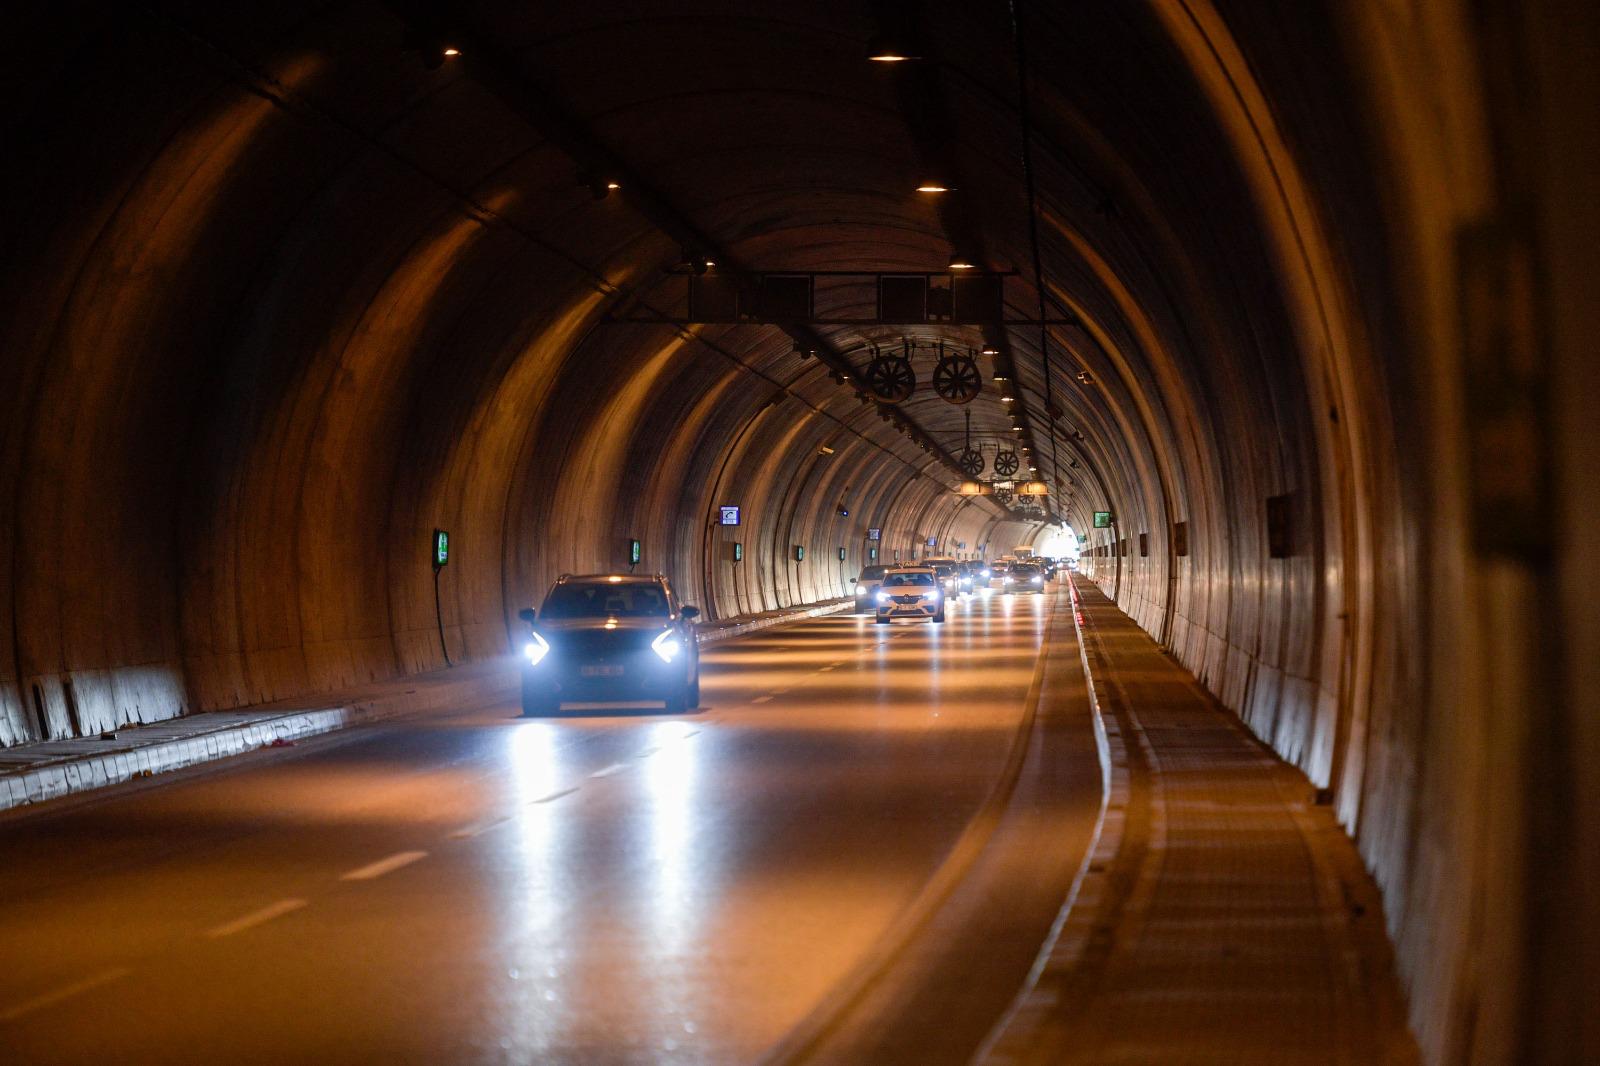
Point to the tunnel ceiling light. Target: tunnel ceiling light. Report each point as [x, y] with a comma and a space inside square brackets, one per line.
[1008, 399]
[1001, 377]
[450, 51]
[892, 48]
[961, 262]
[933, 187]
[989, 349]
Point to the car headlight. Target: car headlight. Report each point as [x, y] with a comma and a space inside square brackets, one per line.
[934, 595]
[1037, 581]
[861, 590]
[1005, 581]
[667, 646]
[536, 649]
[883, 597]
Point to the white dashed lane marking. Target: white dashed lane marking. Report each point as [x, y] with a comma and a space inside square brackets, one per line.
[383, 866]
[761, 699]
[255, 918]
[50, 999]
[615, 767]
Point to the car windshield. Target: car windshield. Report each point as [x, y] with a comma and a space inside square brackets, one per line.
[601, 599]
[895, 580]
[873, 573]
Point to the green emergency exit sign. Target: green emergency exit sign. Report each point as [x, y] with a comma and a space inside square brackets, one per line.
[441, 547]
[1102, 520]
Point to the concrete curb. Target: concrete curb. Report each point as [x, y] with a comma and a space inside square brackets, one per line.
[142, 753]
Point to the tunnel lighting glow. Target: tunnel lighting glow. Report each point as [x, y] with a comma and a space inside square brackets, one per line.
[932, 187]
[452, 52]
[667, 646]
[612, 185]
[1008, 399]
[961, 264]
[611, 623]
[614, 579]
[989, 349]
[536, 649]
[1001, 377]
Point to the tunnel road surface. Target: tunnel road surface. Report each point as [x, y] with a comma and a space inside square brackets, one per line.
[600, 887]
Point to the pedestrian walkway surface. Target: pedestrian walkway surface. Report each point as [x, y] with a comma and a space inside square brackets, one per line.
[1225, 918]
[44, 770]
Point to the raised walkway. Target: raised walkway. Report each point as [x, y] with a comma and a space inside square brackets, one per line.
[1223, 917]
[45, 770]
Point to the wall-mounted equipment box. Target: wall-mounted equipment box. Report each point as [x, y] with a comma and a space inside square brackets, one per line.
[874, 533]
[441, 548]
[872, 554]
[841, 555]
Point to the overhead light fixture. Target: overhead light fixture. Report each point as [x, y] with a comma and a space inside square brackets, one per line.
[932, 186]
[1008, 399]
[825, 450]
[892, 48]
[961, 263]
[1001, 377]
[452, 52]
[989, 349]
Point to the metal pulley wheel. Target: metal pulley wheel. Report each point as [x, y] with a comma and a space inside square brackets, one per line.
[971, 462]
[1006, 464]
[891, 378]
[956, 379]
[1003, 495]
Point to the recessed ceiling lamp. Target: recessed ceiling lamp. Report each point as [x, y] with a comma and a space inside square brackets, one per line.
[892, 48]
[933, 187]
[1008, 399]
[958, 262]
[989, 349]
[451, 52]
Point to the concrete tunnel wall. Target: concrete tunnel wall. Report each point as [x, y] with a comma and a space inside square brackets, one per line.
[278, 301]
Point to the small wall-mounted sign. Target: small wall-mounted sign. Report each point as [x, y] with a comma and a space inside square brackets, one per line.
[933, 542]
[872, 554]
[738, 552]
[874, 533]
[799, 553]
[441, 548]
[841, 555]
[728, 514]
[1102, 520]
[635, 553]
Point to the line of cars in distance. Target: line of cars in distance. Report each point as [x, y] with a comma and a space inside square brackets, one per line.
[606, 637]
[922, 589]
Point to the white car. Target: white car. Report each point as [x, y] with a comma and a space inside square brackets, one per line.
[910, 592]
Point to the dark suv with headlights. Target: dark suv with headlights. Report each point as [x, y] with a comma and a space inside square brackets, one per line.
[607, 638]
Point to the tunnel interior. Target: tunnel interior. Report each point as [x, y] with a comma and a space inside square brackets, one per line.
[288, 288]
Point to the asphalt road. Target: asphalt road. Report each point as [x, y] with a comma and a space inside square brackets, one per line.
[605, 887]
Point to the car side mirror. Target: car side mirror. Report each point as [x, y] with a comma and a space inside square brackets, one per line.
[528, 614]
[691, 613]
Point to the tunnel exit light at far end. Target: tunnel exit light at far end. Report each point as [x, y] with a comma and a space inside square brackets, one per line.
[441, 547]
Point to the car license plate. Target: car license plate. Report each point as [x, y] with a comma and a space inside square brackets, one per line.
[601, 671]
